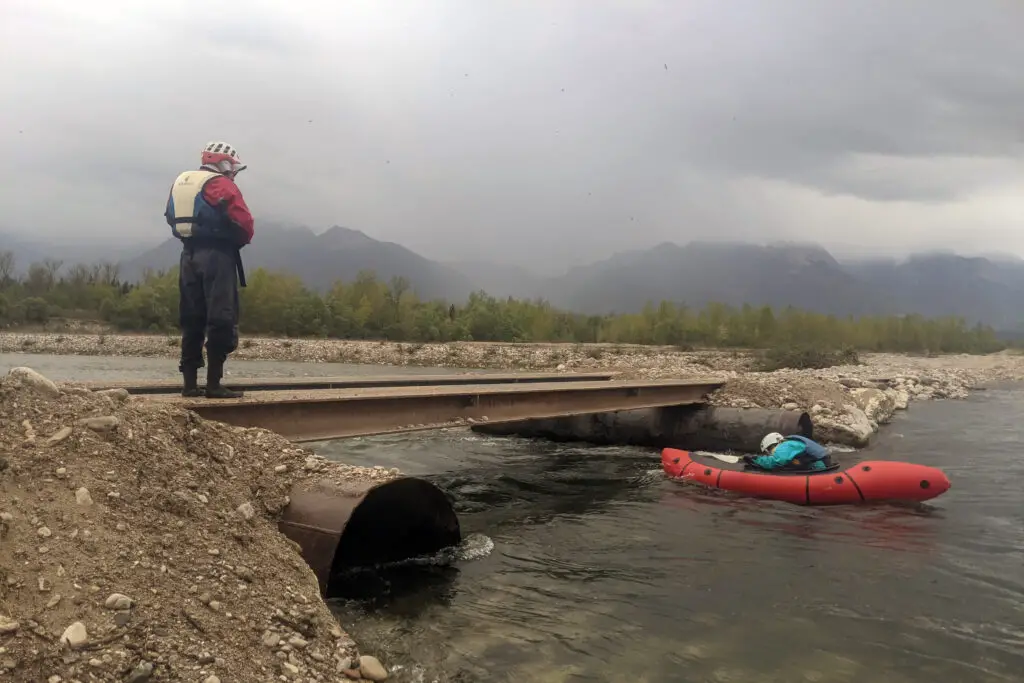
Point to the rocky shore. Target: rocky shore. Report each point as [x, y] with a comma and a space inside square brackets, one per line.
[139, 542]
[847, 403]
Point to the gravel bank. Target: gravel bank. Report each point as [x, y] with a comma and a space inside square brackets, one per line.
[139, 542]
[847, 403]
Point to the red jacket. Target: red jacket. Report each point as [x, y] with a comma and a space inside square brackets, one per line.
[222, 191]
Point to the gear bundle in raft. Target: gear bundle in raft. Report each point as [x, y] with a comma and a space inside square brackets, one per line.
[869, 481]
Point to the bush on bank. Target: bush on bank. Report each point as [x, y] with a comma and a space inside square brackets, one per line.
[366, 308]
[802, 357]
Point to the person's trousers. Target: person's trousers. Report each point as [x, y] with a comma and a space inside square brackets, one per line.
[208, 305]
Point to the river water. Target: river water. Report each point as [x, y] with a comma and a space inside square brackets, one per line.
[602, 570]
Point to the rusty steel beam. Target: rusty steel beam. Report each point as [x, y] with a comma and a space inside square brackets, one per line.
[310, 383]
[316, 416]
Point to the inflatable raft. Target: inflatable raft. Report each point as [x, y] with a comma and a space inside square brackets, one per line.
[874, 480]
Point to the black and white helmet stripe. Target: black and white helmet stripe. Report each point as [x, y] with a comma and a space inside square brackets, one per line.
[221, 148]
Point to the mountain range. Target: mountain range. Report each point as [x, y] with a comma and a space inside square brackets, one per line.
[987, 289]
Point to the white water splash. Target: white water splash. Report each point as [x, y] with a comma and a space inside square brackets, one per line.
[475, 546]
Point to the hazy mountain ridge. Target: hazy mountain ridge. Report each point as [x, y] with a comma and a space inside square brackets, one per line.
[322, 259]
[803, 275]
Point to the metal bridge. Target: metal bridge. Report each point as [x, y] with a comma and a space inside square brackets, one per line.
[313, 409]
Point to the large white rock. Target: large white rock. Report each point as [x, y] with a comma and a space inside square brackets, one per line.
[876, 404]
[900, 398]
[850, 428]
[30, 378]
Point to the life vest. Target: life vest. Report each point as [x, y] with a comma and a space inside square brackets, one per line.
[813, 451]
[191, 216]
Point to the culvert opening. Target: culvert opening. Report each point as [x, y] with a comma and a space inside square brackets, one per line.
[805, 426]
[394, 522]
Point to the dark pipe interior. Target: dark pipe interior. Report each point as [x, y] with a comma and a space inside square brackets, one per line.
[806, 426]
[396, 521]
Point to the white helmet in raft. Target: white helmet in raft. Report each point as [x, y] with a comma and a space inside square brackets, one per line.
[221, 158]
[770, 441]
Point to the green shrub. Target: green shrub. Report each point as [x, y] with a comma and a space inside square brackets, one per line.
[806, 358]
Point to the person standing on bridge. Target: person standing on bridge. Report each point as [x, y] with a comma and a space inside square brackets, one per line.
[207, 213]
[792, 452]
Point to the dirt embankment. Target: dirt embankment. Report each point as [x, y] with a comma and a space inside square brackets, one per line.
[139, 542]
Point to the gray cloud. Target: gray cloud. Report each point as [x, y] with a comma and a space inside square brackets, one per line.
[527, 131]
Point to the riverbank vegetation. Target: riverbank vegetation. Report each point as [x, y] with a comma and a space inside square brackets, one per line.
[367, 308]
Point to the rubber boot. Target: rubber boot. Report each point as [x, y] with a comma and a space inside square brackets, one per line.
[191, 388]
[214, 389]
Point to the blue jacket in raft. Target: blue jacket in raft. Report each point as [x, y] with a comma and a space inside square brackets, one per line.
[795, 452]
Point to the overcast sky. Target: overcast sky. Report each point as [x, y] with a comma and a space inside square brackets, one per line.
[514, 130]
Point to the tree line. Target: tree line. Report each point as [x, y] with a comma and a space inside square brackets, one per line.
[368, 308]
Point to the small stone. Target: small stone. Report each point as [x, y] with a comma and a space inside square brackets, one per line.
[211, 679]
[141, 673]
[60, 435]
[271, 639]
[9, 664]
[280, 469]
[82, 496]
[214, 605]
[95, 663]
[61, 472]
[118, 395]
[289, 669]
[296, 641]
[6, 517]
[44, 532]
[8, 625]
[75, 636]
[371, 669]
[205, 598]
[53, 601]
[203, 499]
[104, 423]
[244, 573]
[118, 601]
[44, 585]
[246, 510]
[54, 679]
[352, 673]
[213, 551]
[122, 619]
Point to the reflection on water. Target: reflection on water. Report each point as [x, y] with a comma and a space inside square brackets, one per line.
[602, 570]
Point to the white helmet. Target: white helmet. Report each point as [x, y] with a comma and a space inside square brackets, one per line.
[770, 441]
[221, 157]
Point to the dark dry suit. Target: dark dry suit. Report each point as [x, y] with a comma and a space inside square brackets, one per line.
[208, 306]
[207, 213]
